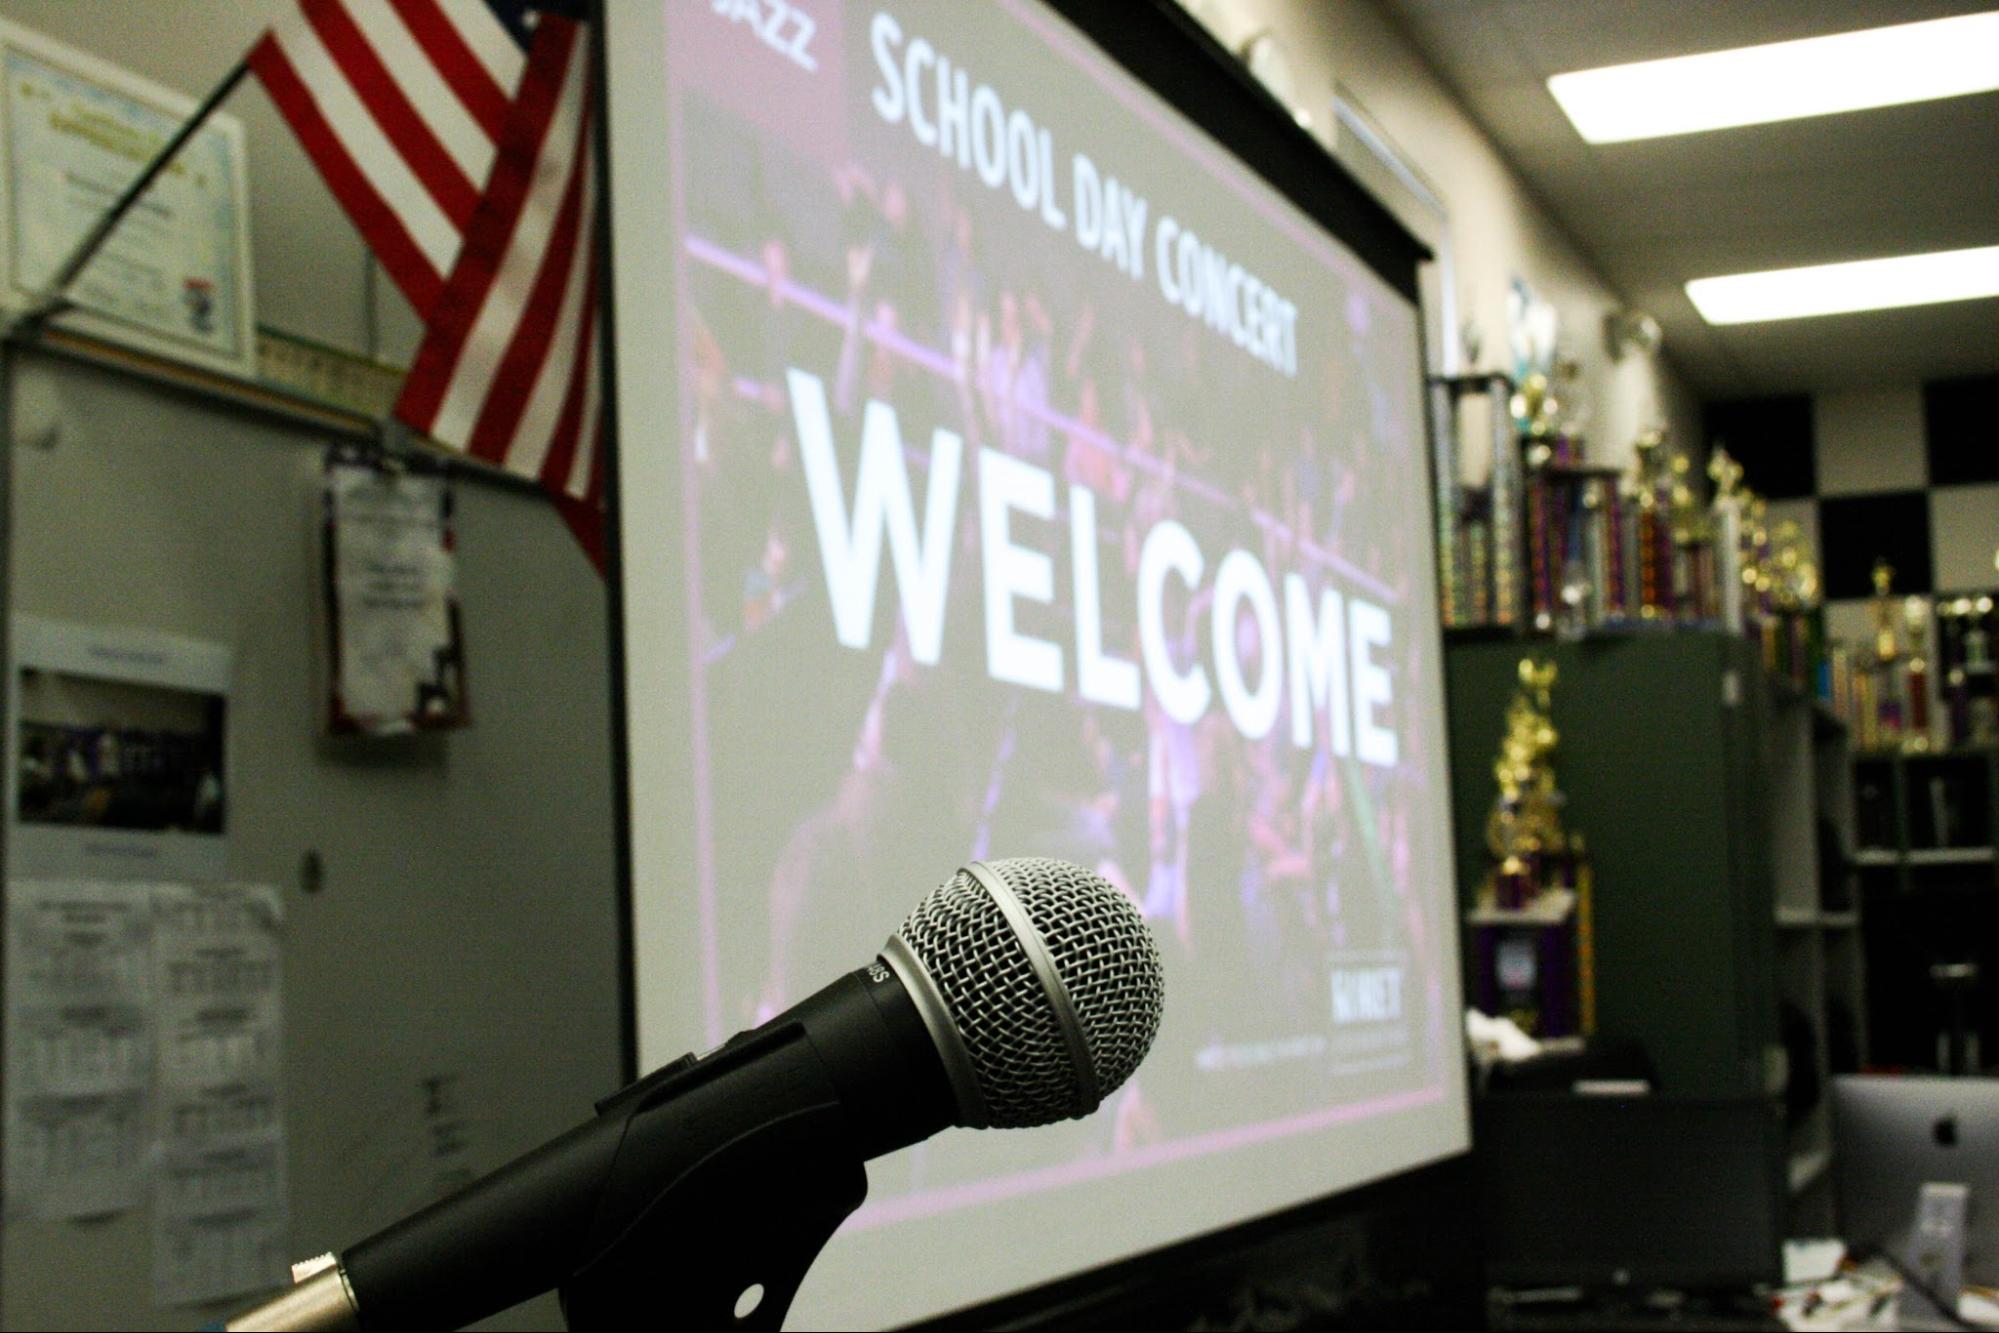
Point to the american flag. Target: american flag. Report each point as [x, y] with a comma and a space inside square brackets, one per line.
[457, 138]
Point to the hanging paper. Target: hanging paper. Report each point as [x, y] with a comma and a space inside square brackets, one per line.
[395, 641]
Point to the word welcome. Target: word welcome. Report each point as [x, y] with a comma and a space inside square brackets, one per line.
[1326, 651]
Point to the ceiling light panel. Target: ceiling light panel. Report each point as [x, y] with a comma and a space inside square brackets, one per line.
[1838, 289]
[1754, 85]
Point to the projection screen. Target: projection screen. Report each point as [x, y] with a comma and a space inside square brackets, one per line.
[1006, 469]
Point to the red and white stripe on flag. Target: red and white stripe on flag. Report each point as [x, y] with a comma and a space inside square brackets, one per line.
[507, 372]
[401, 105]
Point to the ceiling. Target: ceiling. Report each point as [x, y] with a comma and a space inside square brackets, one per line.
[1653, 214]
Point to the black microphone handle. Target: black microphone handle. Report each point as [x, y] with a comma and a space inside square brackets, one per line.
[847, 1075]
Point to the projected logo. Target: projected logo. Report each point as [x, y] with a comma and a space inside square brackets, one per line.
[783, 27]
[1368, 994]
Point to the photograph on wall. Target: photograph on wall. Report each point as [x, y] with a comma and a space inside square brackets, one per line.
[120, 753]
[117, 754]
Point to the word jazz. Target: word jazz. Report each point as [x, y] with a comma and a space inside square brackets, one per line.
[1330, 665]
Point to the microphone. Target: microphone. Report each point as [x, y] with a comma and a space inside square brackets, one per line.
[1020, 992]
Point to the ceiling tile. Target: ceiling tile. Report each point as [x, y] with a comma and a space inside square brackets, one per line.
[1655, 214]
[1878, 347]
[1462, 40]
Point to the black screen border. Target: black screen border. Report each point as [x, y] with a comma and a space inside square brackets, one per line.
[1178, 60]
[1165, 48]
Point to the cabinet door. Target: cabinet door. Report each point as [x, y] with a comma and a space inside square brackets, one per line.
[1658, 757]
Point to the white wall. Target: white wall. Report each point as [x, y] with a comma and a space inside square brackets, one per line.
[466, 926]
[1498, 229]
[467, 929]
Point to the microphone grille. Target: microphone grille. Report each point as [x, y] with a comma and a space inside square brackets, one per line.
[1020, 1042]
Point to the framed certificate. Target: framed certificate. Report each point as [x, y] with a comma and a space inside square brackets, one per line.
[174, 277]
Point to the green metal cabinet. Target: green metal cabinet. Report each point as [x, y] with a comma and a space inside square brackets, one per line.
[1670, 765]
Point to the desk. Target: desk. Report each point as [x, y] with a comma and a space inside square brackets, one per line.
[1873, 1296]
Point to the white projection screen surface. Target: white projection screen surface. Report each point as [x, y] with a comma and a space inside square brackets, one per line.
[1007, 469]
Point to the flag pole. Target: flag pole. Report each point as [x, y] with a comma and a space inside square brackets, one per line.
[54, 297]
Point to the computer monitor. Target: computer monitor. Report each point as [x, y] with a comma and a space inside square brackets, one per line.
[1892, 1135]
[1643, 1192]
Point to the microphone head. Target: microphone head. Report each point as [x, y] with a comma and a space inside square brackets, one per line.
[1040, 984]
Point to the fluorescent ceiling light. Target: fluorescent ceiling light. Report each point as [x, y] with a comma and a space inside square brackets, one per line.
[1752, 85]
[1838, 289]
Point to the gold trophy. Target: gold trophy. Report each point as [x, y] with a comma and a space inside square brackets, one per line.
[1538, 894]
[1915, 618]
[1693, 548]
[1866, 709]
[1759, 576]
[1885, 647]
[1655, 528]
[1524, 831]
[1726, 474]
[1797, 590]
[1887, 652]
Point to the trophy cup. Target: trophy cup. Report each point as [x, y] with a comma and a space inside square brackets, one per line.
[1964, 664]
[1533, 918]
[1571, 411]
[1981, 680]
[1839, 681]
[1478, 524]
[1478, 555]
[1504, 500]
[1727, 512]
[1866, 709]
[1797, 594]
[1887, 653]
[1453, 597]
[1951, 624]
[1618, 602]
[1654, 528]
[1533, 407]
[1812, 650]
[1761, 576]
[1915, 618]
[1693, 546]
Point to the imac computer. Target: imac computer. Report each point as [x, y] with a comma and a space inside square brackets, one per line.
[1893, 1135]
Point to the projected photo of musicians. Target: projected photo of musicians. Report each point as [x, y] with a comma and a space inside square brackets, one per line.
[1000, 553]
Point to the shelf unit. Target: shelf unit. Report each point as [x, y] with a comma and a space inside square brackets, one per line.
[1821, 967]
[1804, 918]
[1718, 804]
[1929, 883]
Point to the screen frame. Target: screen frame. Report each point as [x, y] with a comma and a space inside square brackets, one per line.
[1164, 47]
[1167, 50]
[1445, 1251]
